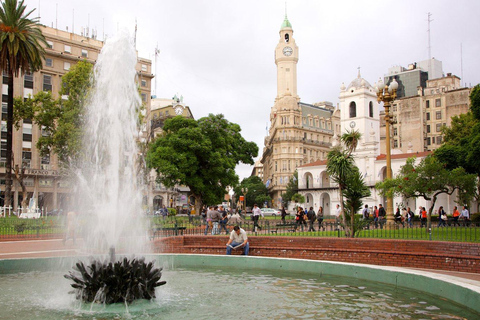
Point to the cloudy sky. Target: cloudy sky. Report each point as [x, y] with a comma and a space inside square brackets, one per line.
[219, 54]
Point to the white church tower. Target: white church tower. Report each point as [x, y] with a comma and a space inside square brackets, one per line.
[359, 110]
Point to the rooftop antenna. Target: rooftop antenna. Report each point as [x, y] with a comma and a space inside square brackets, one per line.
[88, 26]
[461, 62]
[56, 16]
[157, 53]
[73, 20]
[135, 36]
[429, 45]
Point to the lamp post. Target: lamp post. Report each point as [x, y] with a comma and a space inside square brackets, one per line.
[387, 94]
[245, 191]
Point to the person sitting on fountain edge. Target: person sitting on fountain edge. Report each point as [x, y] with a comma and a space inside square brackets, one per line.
[238, 239]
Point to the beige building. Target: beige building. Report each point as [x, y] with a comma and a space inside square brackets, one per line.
[299, 133]
[42, 175]
[418, 120]
[158, 194]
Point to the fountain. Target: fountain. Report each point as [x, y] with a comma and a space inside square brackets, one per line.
[108, 188]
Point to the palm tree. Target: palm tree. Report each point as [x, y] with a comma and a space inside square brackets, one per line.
[21, 52]
[351, 139]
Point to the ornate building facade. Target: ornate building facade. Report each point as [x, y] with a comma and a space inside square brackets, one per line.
[299, 133]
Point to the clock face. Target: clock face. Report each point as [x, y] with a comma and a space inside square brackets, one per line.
[287, 51]
[352, 124]
[178, 110]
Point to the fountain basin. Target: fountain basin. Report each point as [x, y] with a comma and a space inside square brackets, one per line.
[200, 280]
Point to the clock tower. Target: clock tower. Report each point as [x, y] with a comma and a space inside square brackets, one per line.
[286, 58]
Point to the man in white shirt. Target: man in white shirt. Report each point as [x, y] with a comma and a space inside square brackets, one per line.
[256, 212]
[238, 239]
[338, 211]
[465, 216]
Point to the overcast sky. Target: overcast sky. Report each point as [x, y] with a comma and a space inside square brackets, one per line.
[219, 54]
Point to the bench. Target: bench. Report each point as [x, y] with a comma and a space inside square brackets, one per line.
[159, 230]
[289, 226]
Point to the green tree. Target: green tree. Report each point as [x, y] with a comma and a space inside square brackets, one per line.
[354, 192]
[201, 155]
[428, 180]
[292, 188]
[21, 52]
[61, 120]
[257, 192]
[297, 197]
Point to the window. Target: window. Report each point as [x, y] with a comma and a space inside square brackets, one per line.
[394, 108]
[66, 66]
[439, 127]
[427, 104]
[427, 115]
[27, 132]
[48, 62]
[370, 109]
[50, 44]
[4, 77]
[276, 166]
[438, 115]
[144, 97]
[428, 128]
[438, 102]
[47, 82]
[144, 67]
[67, 49]
[439, 139]
[395, 143]
[310, 122]
[28, 81]
[84, 53]
[353, 109]
[429, 141]
[395, 131]
[144, 84]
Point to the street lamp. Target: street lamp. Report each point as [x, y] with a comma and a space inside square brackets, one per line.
[245, 191]
[387, 94]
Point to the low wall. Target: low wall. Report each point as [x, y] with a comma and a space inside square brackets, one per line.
[452, 256]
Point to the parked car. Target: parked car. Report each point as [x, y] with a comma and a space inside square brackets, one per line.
[55, 212]
[271, 212]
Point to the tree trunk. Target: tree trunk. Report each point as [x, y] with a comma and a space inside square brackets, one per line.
[19, 175]
[8, 164]
[429, 213]
[352, 220]
[344, 219]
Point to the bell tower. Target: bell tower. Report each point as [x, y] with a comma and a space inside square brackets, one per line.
[286, 58]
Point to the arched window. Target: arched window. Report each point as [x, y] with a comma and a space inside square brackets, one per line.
[370, 109]
[353, 109]
[287, 37]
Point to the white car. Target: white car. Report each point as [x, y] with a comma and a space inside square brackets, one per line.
[271, 212]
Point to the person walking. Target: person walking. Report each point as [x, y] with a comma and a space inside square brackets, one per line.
[284, 214]
[256, 213]
[208, 219]
[465, 216]
[410, 216]
[320, 218]
[216, 217]
[456, 215]
[311, 216]
[299, 218]
[442, 217]
[423, 220]
[381, 215]
[223, 220]
[375, 216]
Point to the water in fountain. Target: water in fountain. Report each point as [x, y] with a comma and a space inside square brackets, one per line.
[108, 195]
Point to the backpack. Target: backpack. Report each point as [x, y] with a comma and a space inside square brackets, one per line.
[366, 214]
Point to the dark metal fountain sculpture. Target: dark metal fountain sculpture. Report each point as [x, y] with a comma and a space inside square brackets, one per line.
[111, 282]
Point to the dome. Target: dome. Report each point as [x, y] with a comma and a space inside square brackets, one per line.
[359, 82]
[286, 23]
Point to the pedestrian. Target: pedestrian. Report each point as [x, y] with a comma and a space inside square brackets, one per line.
[423, 221]
[311, 216]
[216, 217]
[456, 215]
[223, 219]
[238, 239]
[381, 215]
[320, 218]
[338, 212]
[256, 213]
[208, 219]
[164, 212]
[442, 217]
[375, 216]
[410, 216]
[299, 218]
[398, 217]
[465, 216]
[284, 214]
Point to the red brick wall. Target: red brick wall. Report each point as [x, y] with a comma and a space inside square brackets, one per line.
[454, 256]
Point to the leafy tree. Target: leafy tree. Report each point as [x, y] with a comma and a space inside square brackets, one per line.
[21, 52]
[201, 155]
[292, 188]
[257, 191]
[297, 197]
[428, 180]
[354, 192]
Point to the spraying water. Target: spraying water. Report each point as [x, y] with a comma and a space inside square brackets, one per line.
[109, 189]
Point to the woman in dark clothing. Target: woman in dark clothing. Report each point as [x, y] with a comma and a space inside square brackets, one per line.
[299, 218]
